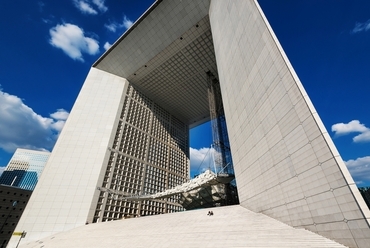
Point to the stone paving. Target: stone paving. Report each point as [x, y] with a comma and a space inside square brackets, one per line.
[232, 226]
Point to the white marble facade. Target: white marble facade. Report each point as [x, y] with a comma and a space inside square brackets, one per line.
[63, 196]
[285, 162]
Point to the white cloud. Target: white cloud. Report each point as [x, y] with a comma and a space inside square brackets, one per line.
[361, 27]
[58, 126]
[21, 127]
[359, 169]
[101, 5]
[85, 7]
[48, 20]
[2, 168]
[201, 160]
[113, 26]
[61, 114]
[71, 39]
[127, 23]
[351, 127]
[107, 45]
[41, 6]
[363, 137]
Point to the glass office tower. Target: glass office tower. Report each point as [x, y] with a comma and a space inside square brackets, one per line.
[24, 168]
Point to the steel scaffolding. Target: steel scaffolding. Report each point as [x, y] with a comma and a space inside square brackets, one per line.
[222, 155]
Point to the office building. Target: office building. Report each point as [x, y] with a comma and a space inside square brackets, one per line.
[140, 98]
[13, 201]
[365, 192]
[16, 184]
[24, 168]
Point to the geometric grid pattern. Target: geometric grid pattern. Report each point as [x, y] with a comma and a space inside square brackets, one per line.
[179, 83]
[149, 154]
[176, 77]
[66, 196]
[281, 150]
[285, 162]
[13, 202]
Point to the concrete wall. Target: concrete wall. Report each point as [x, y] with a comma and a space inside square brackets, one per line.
[64, 194]
[285, 162]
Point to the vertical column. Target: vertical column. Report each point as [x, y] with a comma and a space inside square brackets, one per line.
[285, 163]
[66, 191]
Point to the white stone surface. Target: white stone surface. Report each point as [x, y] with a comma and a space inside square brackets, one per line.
[285, 162]
[66, 190]
[232, 226]
[165, 24]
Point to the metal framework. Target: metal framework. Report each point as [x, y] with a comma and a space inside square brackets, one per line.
[206, 178]
[209, 188]
[222, 156]
[206, 190]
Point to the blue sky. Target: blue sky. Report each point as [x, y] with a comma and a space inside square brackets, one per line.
[47, 48]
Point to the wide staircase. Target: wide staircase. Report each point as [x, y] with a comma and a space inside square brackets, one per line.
[230, 226]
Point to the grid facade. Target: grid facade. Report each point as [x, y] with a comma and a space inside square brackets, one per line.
[13, 201]
[285, 163]
[149, 154]
[24, 168]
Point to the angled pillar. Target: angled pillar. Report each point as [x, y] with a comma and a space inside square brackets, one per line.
[285, 162]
